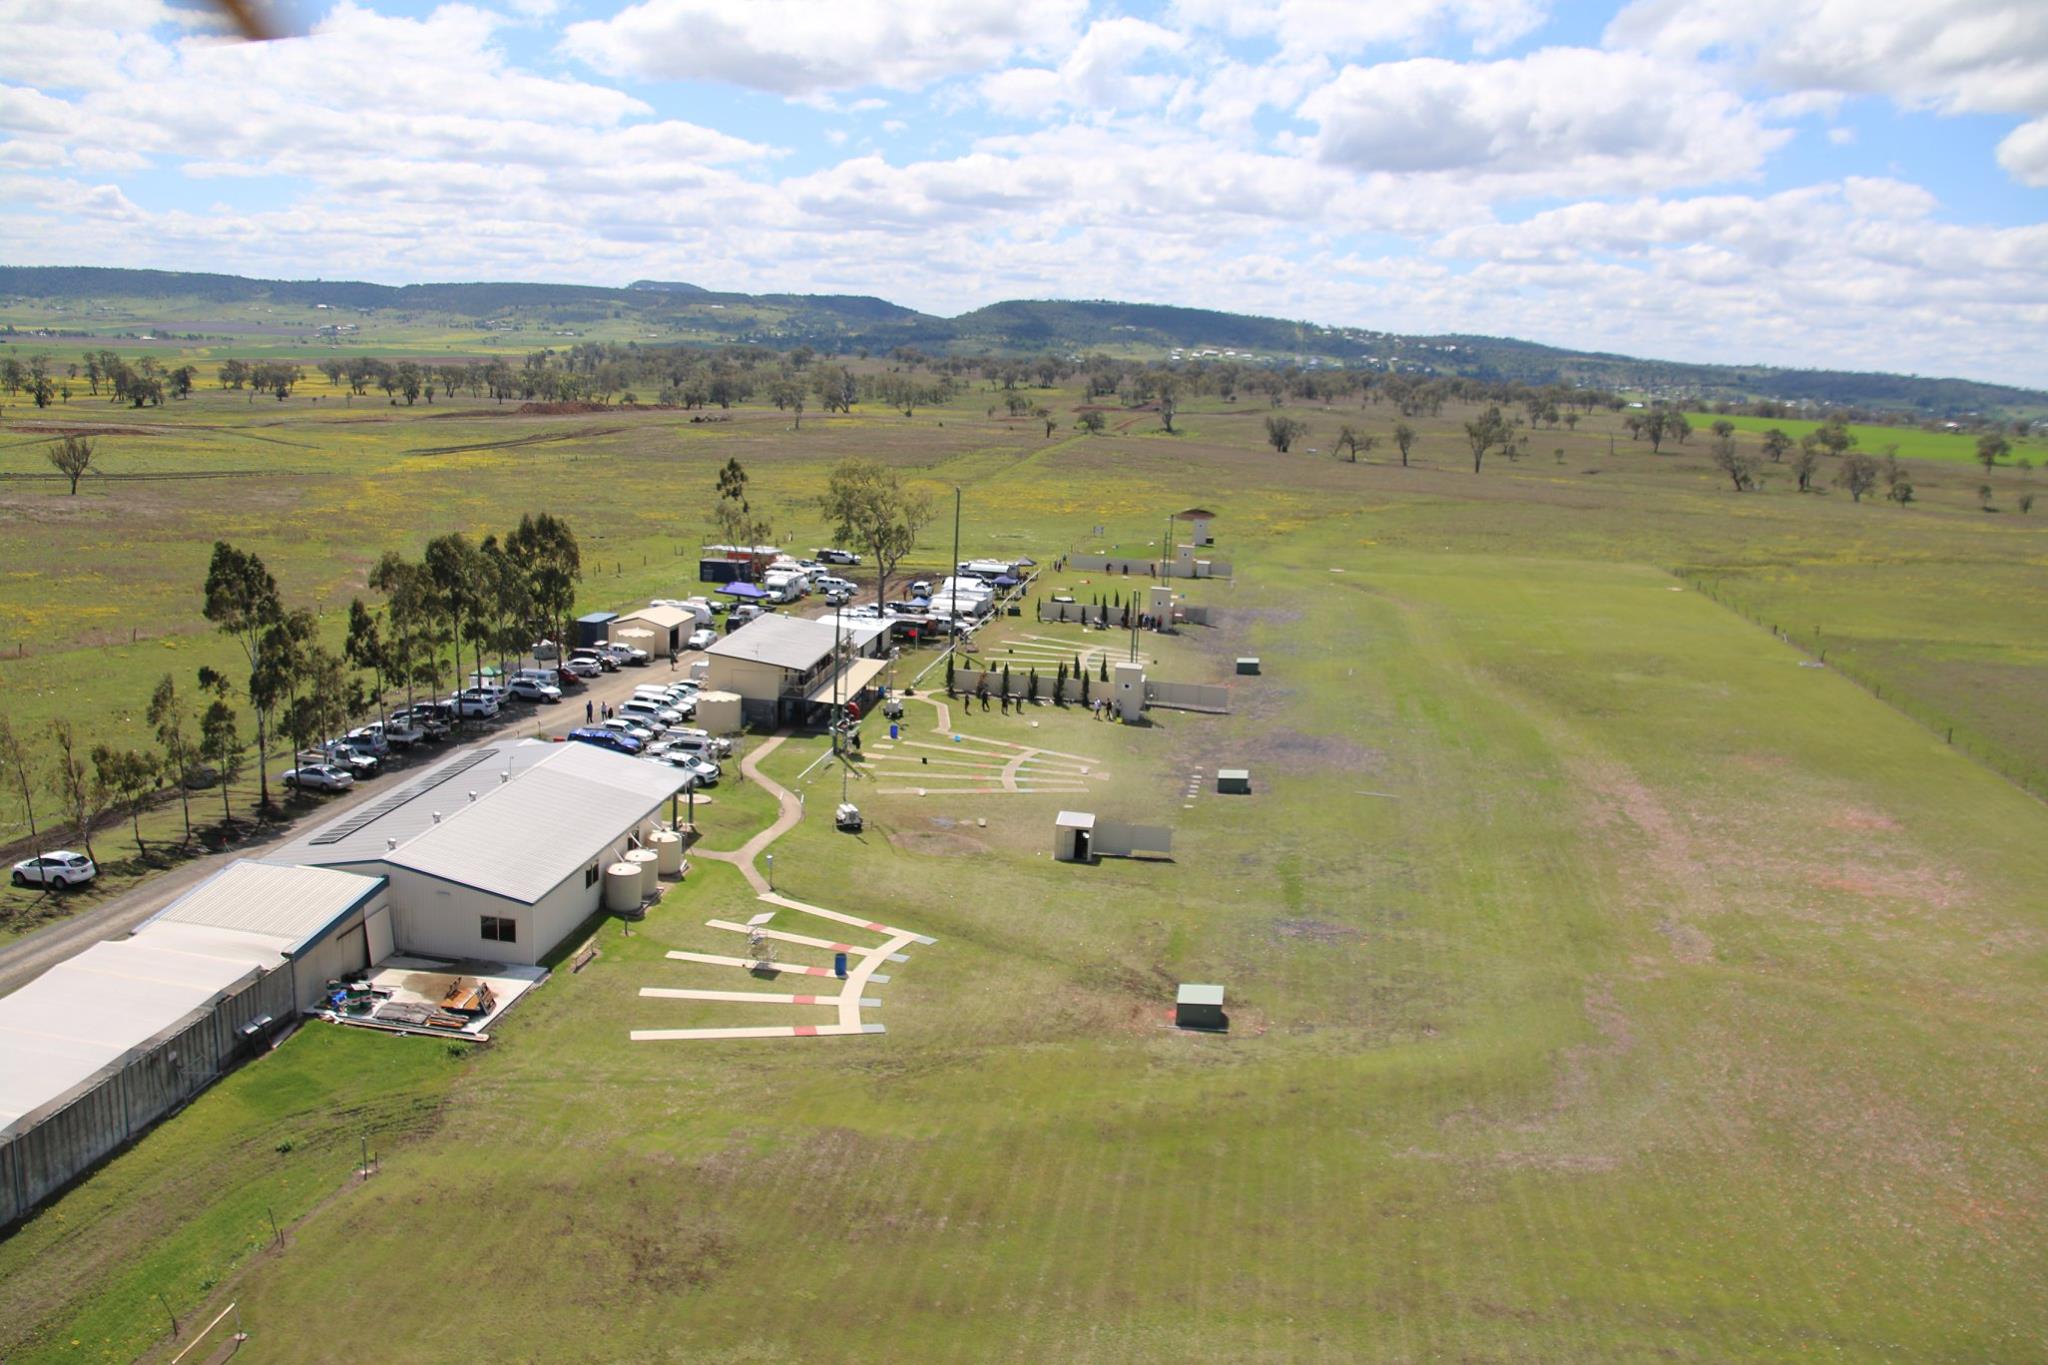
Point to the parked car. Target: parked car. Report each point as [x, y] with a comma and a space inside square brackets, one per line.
[702, 639]
[836, 556]
[605, 739]
[703, 770]
[347, 757]
[624, 725]
[586, 665]
[526, 689]
[475, 701]
[702, 741]
[627, 654]
[569, 680]
[650, 713]
[324, 777]
[56, 870]
[744, 612]
[432, 719]
[370, 737]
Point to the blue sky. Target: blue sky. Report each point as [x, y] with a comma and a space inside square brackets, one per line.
[1856, 183]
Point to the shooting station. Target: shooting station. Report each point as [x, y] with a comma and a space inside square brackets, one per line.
[1234, 781]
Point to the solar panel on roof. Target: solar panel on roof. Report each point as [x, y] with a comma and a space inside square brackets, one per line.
[370, 815]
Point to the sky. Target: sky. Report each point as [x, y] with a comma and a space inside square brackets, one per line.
[1842, 183]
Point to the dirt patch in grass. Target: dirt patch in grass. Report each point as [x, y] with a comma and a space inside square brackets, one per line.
[1858, 818]
[1294, 749]
[1314, 930]
[937, 843]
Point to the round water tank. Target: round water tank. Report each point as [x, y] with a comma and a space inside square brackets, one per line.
[647, 861]
[668, 848]
[622, 888]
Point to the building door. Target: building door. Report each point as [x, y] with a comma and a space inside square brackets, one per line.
[1081, 845]
[377, 932]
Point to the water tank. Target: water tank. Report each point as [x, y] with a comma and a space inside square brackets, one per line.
[622, 888]
[668, 847]
[646, 860]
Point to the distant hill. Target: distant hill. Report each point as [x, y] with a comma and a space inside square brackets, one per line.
[1028, 327]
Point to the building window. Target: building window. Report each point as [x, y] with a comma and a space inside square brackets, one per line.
[500, 929]
[590, 876]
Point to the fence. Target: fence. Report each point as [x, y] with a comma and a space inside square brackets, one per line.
[1187, 696]
[1116, 839]
[2026, 776]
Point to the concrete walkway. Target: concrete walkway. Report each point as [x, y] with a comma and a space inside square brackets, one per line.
[791, 810]
[863, 969]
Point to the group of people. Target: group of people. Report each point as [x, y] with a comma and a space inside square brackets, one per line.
[596, 711]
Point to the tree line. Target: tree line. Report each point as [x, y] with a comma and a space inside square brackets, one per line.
[493, 597]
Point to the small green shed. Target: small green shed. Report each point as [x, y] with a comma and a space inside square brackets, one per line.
[1248, 664]
[1234, 781]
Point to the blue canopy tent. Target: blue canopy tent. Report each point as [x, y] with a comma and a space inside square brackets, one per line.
[746, 590]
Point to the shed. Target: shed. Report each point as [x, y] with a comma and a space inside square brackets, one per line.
[1073, 832]
[1248, 664]
[724, 569]
[669, 626]
[1234, 781]
[1199, 1006]
[594, 629]
[1198, 519]
[718, 712]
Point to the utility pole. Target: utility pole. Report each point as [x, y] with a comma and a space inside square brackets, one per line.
[953, 598]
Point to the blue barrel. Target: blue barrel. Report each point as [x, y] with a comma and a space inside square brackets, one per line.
[892, 730]
[839, 965]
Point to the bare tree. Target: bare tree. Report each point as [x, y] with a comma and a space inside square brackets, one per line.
[18, 761]
[73, 457]
[1404, 437]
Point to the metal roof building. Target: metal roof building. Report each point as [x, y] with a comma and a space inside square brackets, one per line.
[494, 853]
[96, 1049]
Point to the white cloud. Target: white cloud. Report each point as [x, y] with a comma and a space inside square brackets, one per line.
[2024, 153]
[1099, 73]
[1956, 57]
[1344, 27]
[802, 48]
[1562, 120]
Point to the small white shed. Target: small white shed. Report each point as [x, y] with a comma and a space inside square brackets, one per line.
[1073, 833]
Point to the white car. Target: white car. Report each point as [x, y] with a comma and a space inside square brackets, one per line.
[625, 726]
[528, 689]
[475, 701]
[59, 869]
[702, 769]
[318, 777]
[701, 639]
[839, 557]
[583, 665]
[626, 654]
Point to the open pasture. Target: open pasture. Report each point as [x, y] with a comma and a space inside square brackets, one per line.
[1604, 983]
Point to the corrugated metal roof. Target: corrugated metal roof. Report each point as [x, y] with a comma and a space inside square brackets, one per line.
[668, 618]
[286, 906]
[522, 839]
[359, 836]
[785, 641]
[85, 1015]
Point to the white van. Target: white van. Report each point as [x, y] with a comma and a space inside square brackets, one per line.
[651, 714]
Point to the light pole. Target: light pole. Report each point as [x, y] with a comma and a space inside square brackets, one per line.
[771, 871]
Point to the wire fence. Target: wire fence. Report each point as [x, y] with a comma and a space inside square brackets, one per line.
[2029, 777]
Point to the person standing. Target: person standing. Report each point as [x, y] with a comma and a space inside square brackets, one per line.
[589, 710]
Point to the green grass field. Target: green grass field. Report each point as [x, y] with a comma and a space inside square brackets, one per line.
[1913, 443]
[1605, 984]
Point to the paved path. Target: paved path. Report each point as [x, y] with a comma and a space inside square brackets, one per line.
[865, 963]
[791, 810]
[29, 956]
[1003, 766]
